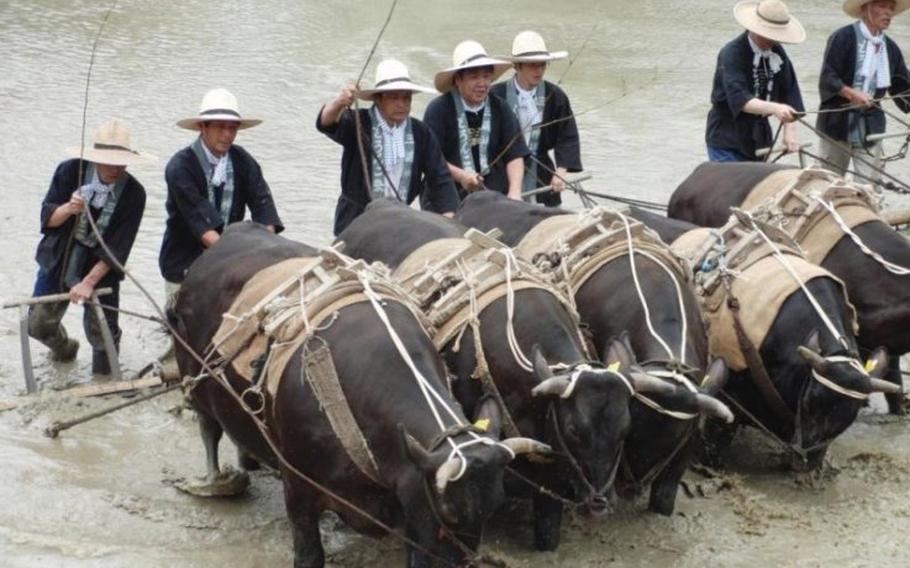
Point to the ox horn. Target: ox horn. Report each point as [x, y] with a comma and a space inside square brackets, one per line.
[713, 407]
[553, 386]
[446, 473]
[880, 385]
[642, 382]
[813, 358]
[541, 367]
[520, 446]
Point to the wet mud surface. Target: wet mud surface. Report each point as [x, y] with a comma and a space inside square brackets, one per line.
[105, 494]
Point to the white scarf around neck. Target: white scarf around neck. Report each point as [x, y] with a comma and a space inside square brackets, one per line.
[875, 60]
[775, 62]
[219, 165]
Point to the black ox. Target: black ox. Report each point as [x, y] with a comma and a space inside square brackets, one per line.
[587, 427]
[796, 346]
[414, 488]
[657, 449]
[881, 298]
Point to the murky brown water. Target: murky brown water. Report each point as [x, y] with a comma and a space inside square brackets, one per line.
[100, 495]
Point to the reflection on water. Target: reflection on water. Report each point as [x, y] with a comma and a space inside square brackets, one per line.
[640, 86]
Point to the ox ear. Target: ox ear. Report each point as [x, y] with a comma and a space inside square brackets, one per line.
[488, 417]
[877, 364]
[716, 377]
[415, 451]
[619, 349]
[541, 367]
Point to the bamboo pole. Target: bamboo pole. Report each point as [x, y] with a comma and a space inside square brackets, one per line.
[49, 299]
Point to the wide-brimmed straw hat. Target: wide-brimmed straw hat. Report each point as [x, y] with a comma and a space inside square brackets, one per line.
[468, 55]
[218, 104]
[770, 19]
[111, 147]
[392, 75]
[529, 47]
[854, 8]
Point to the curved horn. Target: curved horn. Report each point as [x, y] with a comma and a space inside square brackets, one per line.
[446, 472]
[646, 383]
[879, 385]
[813, 358]
[713, 407]
[553, 386]
[522, 446]
[541, 367]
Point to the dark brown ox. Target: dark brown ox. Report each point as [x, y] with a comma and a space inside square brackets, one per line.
[587, 423]
[881, 299]
[415, 486]
[658, 449]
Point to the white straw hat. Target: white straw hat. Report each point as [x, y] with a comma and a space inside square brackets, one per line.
[529, 47]
[111, 147]
[218, 104]
[468, 55]
[770, 19]
[854, 8]
[392, 75]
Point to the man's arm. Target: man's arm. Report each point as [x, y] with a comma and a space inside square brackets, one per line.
[84, 289]
[515, 170]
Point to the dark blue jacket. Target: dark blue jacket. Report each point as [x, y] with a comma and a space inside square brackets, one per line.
[839, 69]
[505, 138]
[430, 177]
[731, 128]
[119, 234]
[190, 214]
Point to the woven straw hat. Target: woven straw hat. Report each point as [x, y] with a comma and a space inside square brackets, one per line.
[854, 8]
[468, 55]
[111, 147]
[529, 47]
[218, 104]
[770, 19]
[392, 75]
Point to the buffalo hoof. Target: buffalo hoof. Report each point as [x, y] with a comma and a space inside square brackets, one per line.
[898, 404]
[228, 483]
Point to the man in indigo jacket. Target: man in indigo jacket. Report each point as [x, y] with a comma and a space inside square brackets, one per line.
[70, 256]
[479, 134]
[402, 155]
[210, 184]
[861, 65]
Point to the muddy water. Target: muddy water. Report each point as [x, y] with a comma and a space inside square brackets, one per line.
[103, 494]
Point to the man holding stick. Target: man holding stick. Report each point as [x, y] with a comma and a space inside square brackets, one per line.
[70, 256]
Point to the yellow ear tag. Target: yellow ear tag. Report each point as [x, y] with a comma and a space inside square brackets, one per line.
[614, 367]
[704, 381]
[870, 365]
[483, 424]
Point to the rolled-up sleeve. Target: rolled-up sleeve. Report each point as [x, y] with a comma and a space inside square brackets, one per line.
[736, 80]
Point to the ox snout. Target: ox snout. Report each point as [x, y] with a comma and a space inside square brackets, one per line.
[597, 506]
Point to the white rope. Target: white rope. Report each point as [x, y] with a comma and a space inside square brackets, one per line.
[789, 268]
[644, 302]
[519, 355]
[836, 387]
[429, 393]
[889, 266]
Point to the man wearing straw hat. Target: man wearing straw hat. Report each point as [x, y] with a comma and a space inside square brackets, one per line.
[402, 155]
[479, 134]
[860, 66]
[754, 79]
[210, 184]
[538, 102]
[70, 256]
